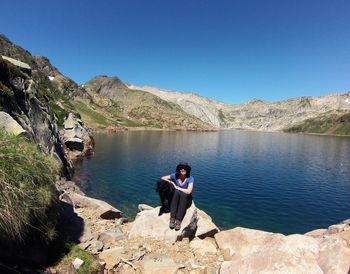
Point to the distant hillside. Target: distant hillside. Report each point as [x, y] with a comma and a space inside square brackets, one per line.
[328, 123]
[111, 98]
[261, 115]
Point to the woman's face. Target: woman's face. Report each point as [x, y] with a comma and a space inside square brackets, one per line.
[183, 172]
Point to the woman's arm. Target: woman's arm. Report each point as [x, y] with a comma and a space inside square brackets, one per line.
[168, 179]
[187, 190]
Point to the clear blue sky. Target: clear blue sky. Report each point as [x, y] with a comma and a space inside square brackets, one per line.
[231, 51]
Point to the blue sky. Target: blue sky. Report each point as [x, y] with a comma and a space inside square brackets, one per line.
[231, 51]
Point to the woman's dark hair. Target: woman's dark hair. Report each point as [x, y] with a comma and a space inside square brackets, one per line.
[184, 166]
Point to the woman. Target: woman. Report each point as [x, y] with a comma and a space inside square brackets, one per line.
[183, 184]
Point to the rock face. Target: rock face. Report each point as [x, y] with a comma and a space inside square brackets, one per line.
[29, 99]
[254, 251]
[76, 138]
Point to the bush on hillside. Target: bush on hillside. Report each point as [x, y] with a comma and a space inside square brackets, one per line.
[27, 189]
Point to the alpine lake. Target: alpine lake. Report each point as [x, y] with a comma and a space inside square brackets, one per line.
[278, 182]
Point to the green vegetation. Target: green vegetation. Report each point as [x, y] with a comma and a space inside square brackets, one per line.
[329, 123]
[60, 114]
[90, 263]
[27, 191]
[92, 117]
[221, 115]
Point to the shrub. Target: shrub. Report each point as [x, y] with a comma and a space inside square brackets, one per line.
[27, 189]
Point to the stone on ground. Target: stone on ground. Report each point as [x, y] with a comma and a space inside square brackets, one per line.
[111, 237]
[112, 256]
[77, 263]
[158, 264]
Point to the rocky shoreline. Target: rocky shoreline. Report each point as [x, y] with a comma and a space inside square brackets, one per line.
[147, 245]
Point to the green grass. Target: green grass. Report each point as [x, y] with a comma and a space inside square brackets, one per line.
[131, 123]
[91, 117]
[60, 113]
[90, 265]
[338, 124]
[27, 191]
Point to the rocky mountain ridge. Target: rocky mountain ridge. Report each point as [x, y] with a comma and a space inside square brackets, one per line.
[256, 114]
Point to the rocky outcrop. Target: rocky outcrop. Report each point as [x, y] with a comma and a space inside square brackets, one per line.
[147, 245]
[77, 138]
[254, 251]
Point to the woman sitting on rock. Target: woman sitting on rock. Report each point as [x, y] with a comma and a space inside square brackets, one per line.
[183, 184]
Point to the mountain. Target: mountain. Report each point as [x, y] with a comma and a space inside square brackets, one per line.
[106, 101]
[288, 115]
[114, 100]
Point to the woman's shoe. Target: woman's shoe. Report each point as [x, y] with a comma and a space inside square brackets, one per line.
[172, 223]
[177, 225]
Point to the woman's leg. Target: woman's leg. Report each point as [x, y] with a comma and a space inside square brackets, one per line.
[182, 206]
[174, 204]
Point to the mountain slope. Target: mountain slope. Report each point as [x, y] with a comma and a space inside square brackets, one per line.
[257, 114]
[138, 107]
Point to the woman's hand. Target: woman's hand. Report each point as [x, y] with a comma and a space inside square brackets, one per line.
[185, 190]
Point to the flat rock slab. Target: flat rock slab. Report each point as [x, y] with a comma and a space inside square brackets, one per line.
[101, 208]
[158, 264]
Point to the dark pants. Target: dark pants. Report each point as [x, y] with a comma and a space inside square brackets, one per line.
[179, 204]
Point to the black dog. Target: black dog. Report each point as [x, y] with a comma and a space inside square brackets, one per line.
[166, 192]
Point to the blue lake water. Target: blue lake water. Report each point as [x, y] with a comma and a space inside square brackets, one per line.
[278, 182]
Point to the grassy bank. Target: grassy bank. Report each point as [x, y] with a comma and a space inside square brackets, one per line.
[27, 190]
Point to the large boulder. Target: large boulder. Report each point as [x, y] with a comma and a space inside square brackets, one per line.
[9, 124]
[149, 225]
[101, 208]
[256, 251]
